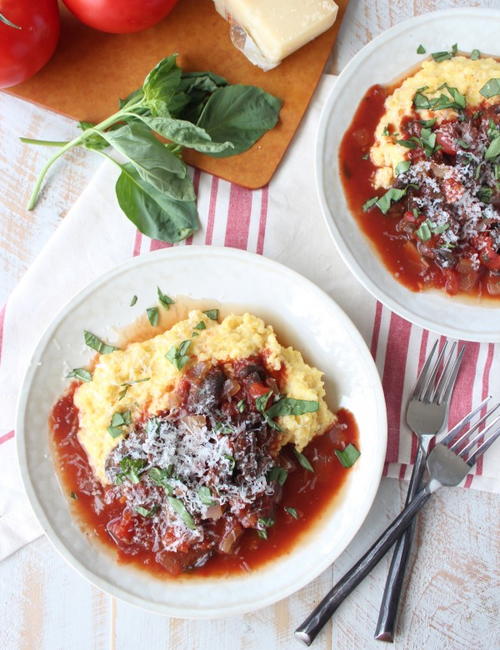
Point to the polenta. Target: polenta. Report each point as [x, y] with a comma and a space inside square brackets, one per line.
[143, 380]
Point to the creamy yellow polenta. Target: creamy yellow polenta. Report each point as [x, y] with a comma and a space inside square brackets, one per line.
[466, 75]
[236, 337]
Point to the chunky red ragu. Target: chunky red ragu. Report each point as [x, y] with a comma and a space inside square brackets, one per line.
[455, 248]
[231, 541]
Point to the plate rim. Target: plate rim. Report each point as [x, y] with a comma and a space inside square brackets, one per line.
[29, 486]
[347, 256]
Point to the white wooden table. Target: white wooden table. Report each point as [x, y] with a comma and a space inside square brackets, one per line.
[453, 598]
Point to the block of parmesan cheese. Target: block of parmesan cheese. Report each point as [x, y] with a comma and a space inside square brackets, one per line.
[267, 31]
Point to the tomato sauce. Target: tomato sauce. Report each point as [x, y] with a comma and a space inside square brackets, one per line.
[307, 494]
[400, 252]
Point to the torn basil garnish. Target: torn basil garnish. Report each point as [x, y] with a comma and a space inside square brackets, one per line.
[402, 167]
[278, 474]
[213, 314]
[262, 524]
[493, 149]
[145, 512]
[181, 510]
[491, 88]
[96, 344]
[133, 301]
[303, 461]
[391, 196]
[160, 477]
[119, 420]
[445, 55]
[153, 315]
[368, 205]
[165, 300]
[178, 354]
[292, 512]
[200, 326]
[80, 373]
[205, 495]
[241, 406]
[421, 49]
[131, 469]
[475, 55]
[127, 385]
[348, 456]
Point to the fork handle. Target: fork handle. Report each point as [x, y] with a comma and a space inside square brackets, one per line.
[388, 614]
[314, 623]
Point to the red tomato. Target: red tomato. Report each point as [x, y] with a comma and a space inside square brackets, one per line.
[28, 43]
[257, 390]
[120, 16]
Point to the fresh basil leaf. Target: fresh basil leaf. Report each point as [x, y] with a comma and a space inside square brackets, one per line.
[421, 49]
[73, 495]
[185, 134]
[153, 315]
[239, 114]
[278, 474]
[475, 55]
[223, 428]
[292, 406]
[121, 418]
[160, 477]
[213, 314]
[386, 131]
[133, 99]
[178, 356]
[370, 203]
[153, 213]
[241, 406]
[493, 149]
[348, 456]
[402, 167]
[421, 101]
[491, 88]
[444, 56]
[292, 512]
[80, 373]
[391, 196]
[161, 84]
[200, 326]
[131, 469]
[95, 343]
[181, 510]
[193, 93]
[165, 300]
[133, 301]
[303, 461]
[154, 162]
[262, 524]
[205, 496]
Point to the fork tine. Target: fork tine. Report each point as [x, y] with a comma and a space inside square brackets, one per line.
[445, 388]
[484, 446]
[467, 434]
[423, 373]
[429, 385]
[463, 453]
[445, 375]
[465, 420]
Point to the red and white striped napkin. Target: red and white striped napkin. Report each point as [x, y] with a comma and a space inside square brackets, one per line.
[283, 222]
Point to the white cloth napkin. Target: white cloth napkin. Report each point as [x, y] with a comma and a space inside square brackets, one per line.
[282, 222]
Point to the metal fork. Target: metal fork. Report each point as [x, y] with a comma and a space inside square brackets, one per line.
[426, 415]
[448, 464]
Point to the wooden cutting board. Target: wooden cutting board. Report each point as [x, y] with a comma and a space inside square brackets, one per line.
[91, 70]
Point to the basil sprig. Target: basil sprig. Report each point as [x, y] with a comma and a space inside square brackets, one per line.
[195, 110]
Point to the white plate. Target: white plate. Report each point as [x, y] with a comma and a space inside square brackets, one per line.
[313, 323]
[383, 61]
